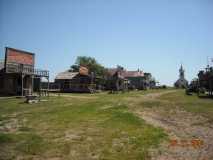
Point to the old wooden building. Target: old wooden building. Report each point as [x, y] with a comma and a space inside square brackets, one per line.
[17, 73]
[134, 79]
[115, 81]
[81, 81]
[205, 81]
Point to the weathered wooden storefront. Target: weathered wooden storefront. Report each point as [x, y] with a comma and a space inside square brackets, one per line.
[17, 74]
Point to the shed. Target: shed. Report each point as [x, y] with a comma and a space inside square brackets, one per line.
[80, 81]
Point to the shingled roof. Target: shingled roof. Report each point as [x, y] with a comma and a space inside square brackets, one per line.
[125, 73]
[66, 75]
[133, 74]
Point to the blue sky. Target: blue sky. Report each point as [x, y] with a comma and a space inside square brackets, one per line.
[153, 35]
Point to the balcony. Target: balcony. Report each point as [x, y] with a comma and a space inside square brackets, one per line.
[25, 69]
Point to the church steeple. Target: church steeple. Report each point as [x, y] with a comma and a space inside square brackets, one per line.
[181, 71]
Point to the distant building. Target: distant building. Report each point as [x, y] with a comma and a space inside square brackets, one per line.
[181, 82]
[205, 80]
[75, 81]
[115, 80]
[136, 79]
[149, 81]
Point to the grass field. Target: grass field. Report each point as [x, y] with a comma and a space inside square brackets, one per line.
[202, 106]
[83, 126]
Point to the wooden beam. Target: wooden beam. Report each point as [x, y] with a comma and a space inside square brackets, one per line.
[32, 84]
[22, 85]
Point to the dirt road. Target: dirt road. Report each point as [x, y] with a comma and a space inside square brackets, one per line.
[190, 135]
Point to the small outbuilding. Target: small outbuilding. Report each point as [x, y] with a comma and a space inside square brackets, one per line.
[80, 81]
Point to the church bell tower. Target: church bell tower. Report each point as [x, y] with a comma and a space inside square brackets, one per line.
[181, 71]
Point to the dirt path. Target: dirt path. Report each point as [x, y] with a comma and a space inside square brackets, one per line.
[190, 136]
[75, 96]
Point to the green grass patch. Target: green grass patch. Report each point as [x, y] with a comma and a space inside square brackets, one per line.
[192, 103]
[75, 128]
[30, 144]
[151, 104]
[5, 138]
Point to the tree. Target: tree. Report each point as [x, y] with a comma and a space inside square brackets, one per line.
[120, 68]
[90, 63]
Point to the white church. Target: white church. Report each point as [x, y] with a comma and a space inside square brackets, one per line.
[181, 82]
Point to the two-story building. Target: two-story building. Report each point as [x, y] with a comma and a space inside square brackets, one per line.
[17, 73]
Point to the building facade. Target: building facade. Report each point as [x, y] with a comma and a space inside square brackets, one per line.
[115, 81]
[135, 79]
[80, 81]
[17, 73]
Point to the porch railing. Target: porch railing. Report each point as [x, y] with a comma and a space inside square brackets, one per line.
[78, 86]
[25, 69]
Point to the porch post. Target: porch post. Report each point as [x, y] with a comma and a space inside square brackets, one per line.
[22, 85]
[48, 85]
[32, 84]
[39, 86]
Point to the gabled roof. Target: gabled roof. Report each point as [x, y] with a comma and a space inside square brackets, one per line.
[133, 74]
[125, 73]
[66, 75]
[112, 71]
